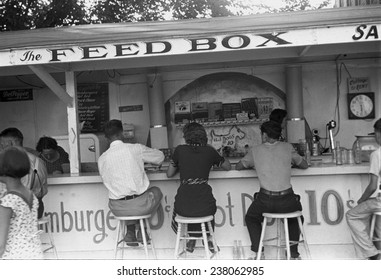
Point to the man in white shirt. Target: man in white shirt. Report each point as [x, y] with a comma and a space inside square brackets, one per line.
[122, 170]
[358, 218]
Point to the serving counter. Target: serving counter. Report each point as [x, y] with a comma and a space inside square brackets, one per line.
[81, 220]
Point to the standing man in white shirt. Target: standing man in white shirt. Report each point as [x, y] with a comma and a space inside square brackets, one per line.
[358, 218]
[122, 170]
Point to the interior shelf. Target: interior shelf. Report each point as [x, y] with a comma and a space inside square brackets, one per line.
[226, 123]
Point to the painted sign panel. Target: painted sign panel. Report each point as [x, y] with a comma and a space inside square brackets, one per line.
[358, 84]
[131, 108]
[81, 219]
[93, 106]
[176, 46]
[16, 95]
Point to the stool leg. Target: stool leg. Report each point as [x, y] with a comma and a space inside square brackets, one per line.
[150, 236]
[372, 225]
[287, 238]
[205, 238]
[279, 237]
[261, 239]
[51, 240]
[211, 232]
[305, 243]
[117, 239]
[178, 235]
[185, 239]
[145, 244]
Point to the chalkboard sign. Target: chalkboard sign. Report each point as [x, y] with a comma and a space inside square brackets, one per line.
[93, 106]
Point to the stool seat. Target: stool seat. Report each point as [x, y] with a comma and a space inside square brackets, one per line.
[45, 221]
[193, 220]
[131, 218]
[121, 230]
[206, 222]
[283, 217]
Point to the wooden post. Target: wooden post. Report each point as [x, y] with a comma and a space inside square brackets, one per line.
[73, 131]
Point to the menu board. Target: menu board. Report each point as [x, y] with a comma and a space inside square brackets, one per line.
[93, 106]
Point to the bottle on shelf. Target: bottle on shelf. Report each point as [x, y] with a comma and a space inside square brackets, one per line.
[339, 156]
[357, 152]
[302, 147]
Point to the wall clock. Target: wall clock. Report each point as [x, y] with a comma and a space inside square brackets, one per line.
[361, 105]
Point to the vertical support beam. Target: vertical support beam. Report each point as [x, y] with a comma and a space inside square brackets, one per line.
[294, 103]
[73, 130]
[158, 128]
[156, 100]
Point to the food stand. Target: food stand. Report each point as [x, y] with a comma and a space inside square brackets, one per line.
[150, 68]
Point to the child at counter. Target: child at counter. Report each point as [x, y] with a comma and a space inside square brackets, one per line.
[194, 196]
[358, 218]
[18, 209]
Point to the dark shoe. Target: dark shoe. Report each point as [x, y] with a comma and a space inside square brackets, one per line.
[190, 246]
[211, 246]
[375, 257]
[130, 239]
[139, 237]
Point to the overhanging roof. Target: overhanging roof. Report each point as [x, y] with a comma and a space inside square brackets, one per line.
[104, 33]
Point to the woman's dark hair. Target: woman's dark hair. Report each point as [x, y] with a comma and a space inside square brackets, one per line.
[46, 142]
[14, 133]
[113, 128]
[272, 129]
[195, 134]
[377, 125]
[277, 115]
[14, 162]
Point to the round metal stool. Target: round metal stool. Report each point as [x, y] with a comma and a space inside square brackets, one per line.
[183, 234]
[283, 217]
[121, 230]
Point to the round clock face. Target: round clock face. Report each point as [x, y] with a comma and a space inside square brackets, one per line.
[361, 106]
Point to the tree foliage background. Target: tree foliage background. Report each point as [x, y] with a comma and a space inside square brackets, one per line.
[31, 14]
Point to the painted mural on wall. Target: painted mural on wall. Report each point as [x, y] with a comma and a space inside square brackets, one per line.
[227, 88]
[226, 143]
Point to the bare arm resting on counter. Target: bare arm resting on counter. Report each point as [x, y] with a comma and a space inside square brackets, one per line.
[370, 189]
[172, 169]
[247, 162]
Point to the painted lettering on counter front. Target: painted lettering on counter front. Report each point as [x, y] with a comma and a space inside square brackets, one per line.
[99, 222]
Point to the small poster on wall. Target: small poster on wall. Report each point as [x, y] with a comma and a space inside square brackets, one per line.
[182, 111]
[265, 106]
[93, 106]
[16, 95]
[359, 84]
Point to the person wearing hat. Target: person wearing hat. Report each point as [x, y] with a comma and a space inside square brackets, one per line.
[272, 161]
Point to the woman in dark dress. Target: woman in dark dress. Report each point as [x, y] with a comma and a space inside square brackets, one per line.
[194, 161]
[52, 154]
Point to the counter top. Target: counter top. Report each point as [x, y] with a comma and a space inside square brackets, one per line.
[160, 175]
